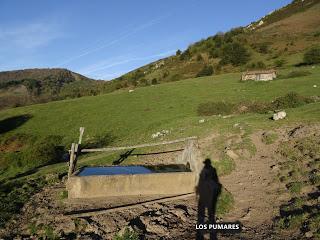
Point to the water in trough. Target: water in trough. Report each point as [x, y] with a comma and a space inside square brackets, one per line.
[128, 170]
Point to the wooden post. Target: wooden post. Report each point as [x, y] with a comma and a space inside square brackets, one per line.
[77, 151]
[71, 161]
[81, 134]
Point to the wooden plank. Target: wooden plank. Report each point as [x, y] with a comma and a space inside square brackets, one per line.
[72, 153]
[81, 134]
[137, 146]
[75, 157]
[95, 212]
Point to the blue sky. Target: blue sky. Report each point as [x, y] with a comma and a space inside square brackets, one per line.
[104, 39]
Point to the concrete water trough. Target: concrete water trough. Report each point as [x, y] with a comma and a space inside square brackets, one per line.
[113, 181]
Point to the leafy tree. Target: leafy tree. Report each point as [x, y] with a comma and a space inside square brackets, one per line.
[234, 53]
[178, 52]
[185, 55]
[312, 56]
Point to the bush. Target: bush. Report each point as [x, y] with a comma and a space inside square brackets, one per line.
[291, 100]
[235, 54]
[294, 74]
[205, 71]
[154, 81]
[312, 56]
[215, 108]
[279, 62]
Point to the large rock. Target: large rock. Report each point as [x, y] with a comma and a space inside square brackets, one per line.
[279, 115]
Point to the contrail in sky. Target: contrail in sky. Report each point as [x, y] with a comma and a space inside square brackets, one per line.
[109, 65]
[108, 44]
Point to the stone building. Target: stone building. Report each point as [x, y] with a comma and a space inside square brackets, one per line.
[260, 75]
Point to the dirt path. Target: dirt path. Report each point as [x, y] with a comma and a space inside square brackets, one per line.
[254, 189]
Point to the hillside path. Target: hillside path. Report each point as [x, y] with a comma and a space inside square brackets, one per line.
[254, 188]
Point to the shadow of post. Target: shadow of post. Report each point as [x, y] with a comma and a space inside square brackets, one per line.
[208, 191]
[12, 123]
[123, 157]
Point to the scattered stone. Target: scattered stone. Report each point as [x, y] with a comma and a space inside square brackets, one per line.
[201, 121]
[162, 133]
[131, 90]
[232, 154]
[315, 86]
[236, 125]
[279, 115]
[309, 234]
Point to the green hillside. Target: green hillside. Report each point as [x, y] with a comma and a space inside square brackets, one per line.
[34, 138]
[132, 117]
[278, 39]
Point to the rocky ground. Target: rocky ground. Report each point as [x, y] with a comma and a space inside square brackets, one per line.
[254, 184]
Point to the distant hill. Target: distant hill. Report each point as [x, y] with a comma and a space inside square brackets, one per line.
[278, 39]
[23, 87]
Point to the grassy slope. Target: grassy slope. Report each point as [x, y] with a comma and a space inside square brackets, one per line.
[287, 32]
[133, 117]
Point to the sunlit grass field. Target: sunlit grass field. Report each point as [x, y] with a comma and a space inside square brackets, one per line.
[133, 117]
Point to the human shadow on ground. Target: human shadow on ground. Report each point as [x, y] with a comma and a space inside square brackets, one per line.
[208, 191]
[11, 123]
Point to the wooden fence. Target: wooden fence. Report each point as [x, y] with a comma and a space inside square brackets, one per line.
[189, 151]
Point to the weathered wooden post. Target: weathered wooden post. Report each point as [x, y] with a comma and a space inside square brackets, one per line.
[72, 157]
[190, 156]
[74, 153]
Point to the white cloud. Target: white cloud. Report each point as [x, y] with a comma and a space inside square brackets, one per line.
[29, 35]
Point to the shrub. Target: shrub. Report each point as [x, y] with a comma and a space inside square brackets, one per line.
[175, 77]
[178, 52]
[214, 53]
[294, 74]
[312, 56]
[186, 55]
[291, 100]
[154, 81]
[215, 108]
[199, 58]
[279, 62]
[235, 54]
[205, 71]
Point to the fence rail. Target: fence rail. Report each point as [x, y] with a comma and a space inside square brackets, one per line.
[137, 146]
[76, 149]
